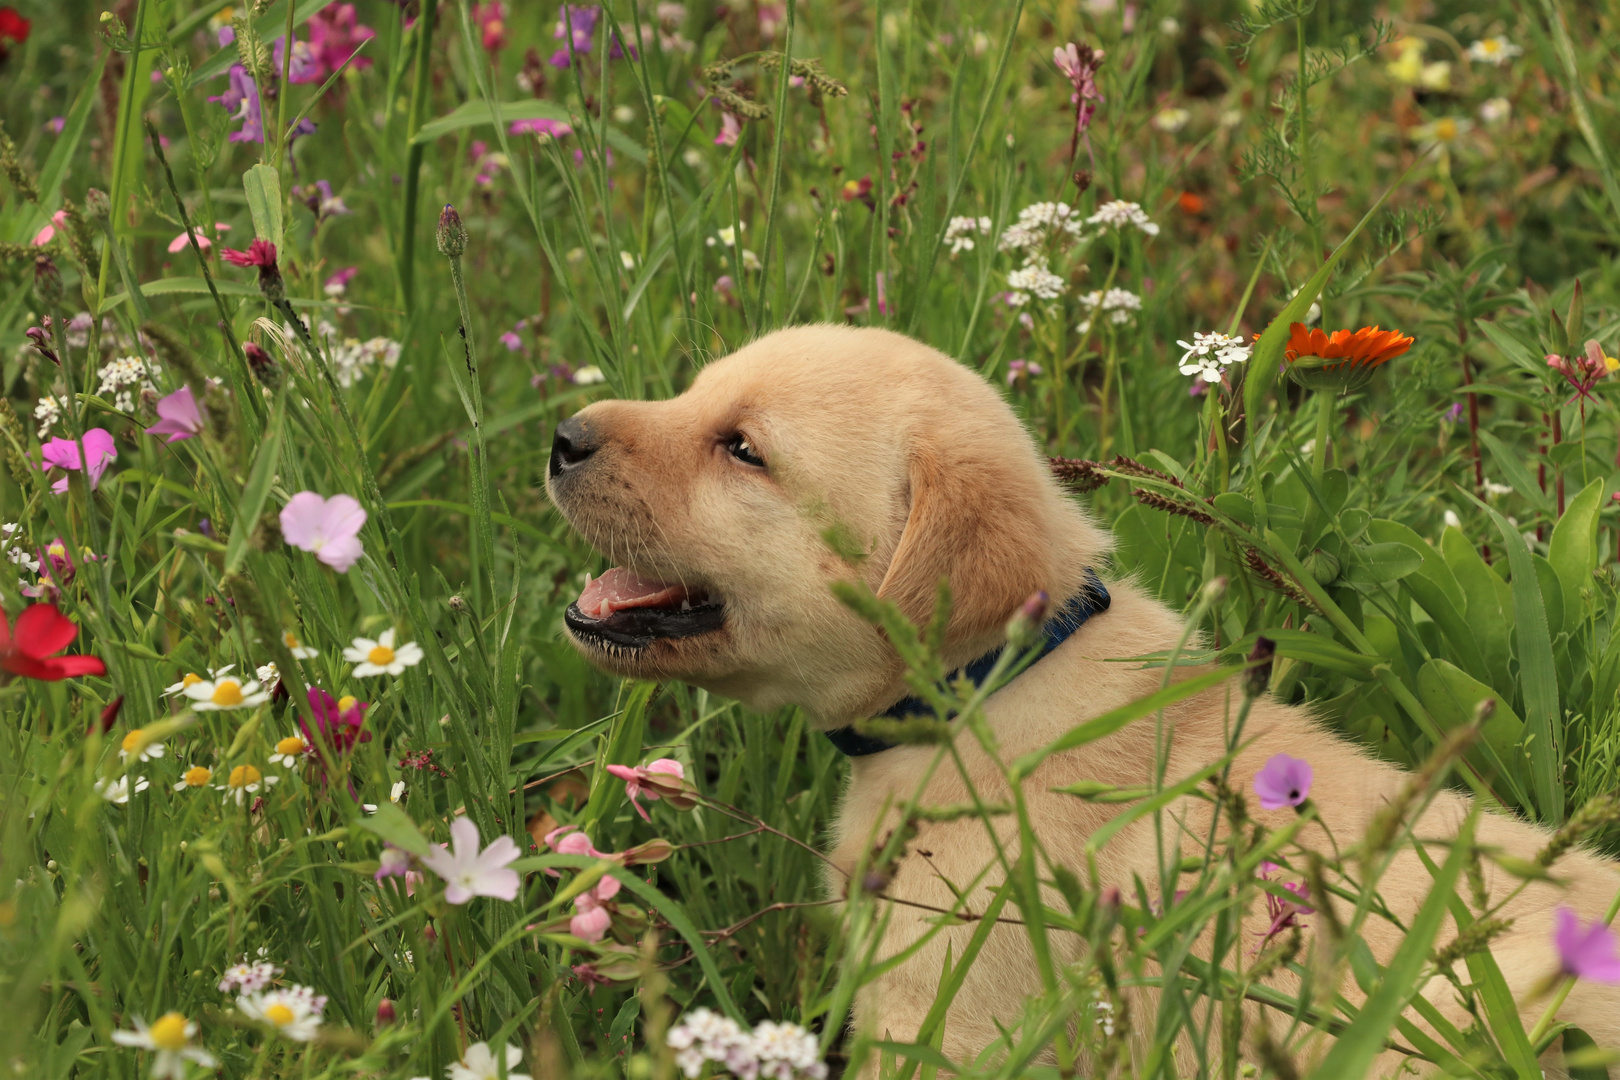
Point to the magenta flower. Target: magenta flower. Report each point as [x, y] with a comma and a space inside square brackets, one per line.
[328, 528]
[339, 722]
[1283, 781]
[664, 778]
[1079, 64]
[241, 100]
[43, 237]
[335, 36]
[1585, 953]
[183, 241]
[468, 871]
[591, 917]
[568, 840]
[580, 27]
[490, 18]
[511, 340]
[260, 253]
[730, 129]
[179, 416]
[338, 283]
[1284, 914]
[540, 126]
[64, 454]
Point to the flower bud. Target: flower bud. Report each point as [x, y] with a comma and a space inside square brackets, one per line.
[109, 714]
[1028, 620]
[97, 204]
[457, 604]
[1258, 677]
[262, 366]
[653, 851]
[452, 234]
[385, 1013]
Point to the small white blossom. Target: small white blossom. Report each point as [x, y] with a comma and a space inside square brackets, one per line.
[169, 1039]
[380, 657]
[245, 780]
[1171, 119]
[1033, 280]
[959, 233]
[123, 376]
[479, 1063]
[23, 559]
[771, 1050]
[589, 375]
[1452, 520]
[1208, 355]
[1495, 110]
[132, 745]
[294, 1013]
[48, 412]
[1495, 51]
[1493, 488]
[1117, 304]
[118, 791]
[1119, 213]
[225, 693]
[1038, 224]
[248, 978]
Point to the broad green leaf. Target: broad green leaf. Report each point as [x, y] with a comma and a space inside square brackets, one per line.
[395, 826]
[1452, 697]
[1515, 350]
[1573, 548]
[262, 185]
[257, 488]
[1487, 605]
[1507, 461]
[1381, 564]
[1384, 531]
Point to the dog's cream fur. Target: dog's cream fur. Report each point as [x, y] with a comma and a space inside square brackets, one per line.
[920, 460]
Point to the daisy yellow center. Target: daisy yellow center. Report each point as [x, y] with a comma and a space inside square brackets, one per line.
[191, 679]
[292, 744]
[1492, 46]
[279, 1015]
[290, 639]
[380, 655]
[346, 702]
[198, 775]
[132, 740]
[169, 1033]
[244, 775]
[227, 692]
[1446, 130]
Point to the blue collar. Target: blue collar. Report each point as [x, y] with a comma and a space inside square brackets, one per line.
[1089, 601]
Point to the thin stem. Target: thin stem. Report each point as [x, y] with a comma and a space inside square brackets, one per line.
[1325, 406]
[414, 151]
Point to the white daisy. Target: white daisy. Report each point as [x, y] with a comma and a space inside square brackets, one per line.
[589, 375]
[397, 792]
[118, 791]
[294, 1013]
[1495, 51]
[132, 745]
[299, 650]
[289, 752]
[170, 1039]
[192, 678]
[479, 1063]
[245, 780]
[226, 693]
[195, 777]
[380, 657]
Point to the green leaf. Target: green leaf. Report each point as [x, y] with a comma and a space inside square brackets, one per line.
[1573, 548]
[1452, 697]
[1381, 564]
[55, 169]
[1515, 350]
[1311, 648]
[1485, 611]
[257, 488]
[182, 286]
[478, 113]
[262, 185]
[395, 826]
[1508, 463]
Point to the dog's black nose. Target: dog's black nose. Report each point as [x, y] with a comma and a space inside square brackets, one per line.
[572, 445]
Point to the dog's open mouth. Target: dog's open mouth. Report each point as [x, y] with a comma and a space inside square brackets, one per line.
[625, 609]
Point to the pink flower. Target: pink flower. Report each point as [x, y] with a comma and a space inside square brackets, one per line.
[491, 21]
[591, 919]
[260, 253]
[329, 528]
[469, 871]
[58, 220]
[511, 340]
[179, 416]
[730, 130]
[1284, 914]
[339, 722]
[650, 781]
[1283, 781]
[540, 126]
[338, 283]
[181, 242]
[1585, 953]
[566, 840]
[392, 863]
[64, 454]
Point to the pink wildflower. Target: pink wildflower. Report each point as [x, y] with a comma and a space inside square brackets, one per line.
[329, 528]
[1283, 781]
[58, 220]
[64, 454]
[730, 130]
[1585, 953]
[179, 416]
[653, 782]
[540, 126]
[183, 241]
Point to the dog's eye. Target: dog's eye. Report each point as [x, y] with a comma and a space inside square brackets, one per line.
[740, 448]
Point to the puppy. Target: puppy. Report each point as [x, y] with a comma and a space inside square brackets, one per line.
[715, 506]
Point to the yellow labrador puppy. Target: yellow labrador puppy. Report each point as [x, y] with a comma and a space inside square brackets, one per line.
[714, 505]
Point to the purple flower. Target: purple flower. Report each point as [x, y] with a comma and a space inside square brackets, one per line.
[540, 126]
[1588, 953]
[55, 124]
[511, 340]
[304, 67]
[334, 36]
[392, 863]
[329, 528]
[242, 102]
[1283, 781]
[64, 454]
[730, 129]
[339, 722]
[1017, 369]
[580, 27]
[179, 416]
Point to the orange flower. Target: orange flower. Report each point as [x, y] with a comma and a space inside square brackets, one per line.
[1191, 202]
[1365, 348]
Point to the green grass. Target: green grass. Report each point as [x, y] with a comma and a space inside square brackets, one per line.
[1438, 537]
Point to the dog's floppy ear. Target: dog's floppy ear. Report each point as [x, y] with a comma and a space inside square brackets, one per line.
[978, 523]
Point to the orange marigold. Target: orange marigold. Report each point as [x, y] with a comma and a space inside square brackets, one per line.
[1364, 348]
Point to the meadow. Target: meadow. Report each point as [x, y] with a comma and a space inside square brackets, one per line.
[286, 330]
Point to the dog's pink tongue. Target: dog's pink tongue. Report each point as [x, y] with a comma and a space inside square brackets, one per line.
[619, 588]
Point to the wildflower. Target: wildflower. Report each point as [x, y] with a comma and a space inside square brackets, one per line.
[653, 782]
[1442, 132]
[727, 235]
[14, 28]
[542, 126]
[589, 375]
[197, 776]
[1587, 953]
[1209, 355]
[191, 678]
[1018, 369]
[490, 18]
[1119, 213]
[1117, 303]
[48, 412]
[40, 631]
[64, 454]
[339, 722]
[225, 694]
[21, 557]
[132, 744]
[245, 780]
[262, 254]
[858, 190]
[730, 129]
[294, 1013]
[1171, 119]
[299, 650]
[44, 236]
[1191, 202]
[338, 284]
[1034, 279]
[179, 416]
[170, 1035]
[379, 657]
[1495, 51]
[118, 791]
[122, 373]
[1282, 781]
[775, 1051]
[183, 241]
[576, 25]
[329, 528]
[1342, 360]
[469, 872]
[568, 840]
[289, 751]
[959, 232]
[1283, 914]
[479, 1063]
[248, 978]
[241, 100]
[320, 198]
[1495, 110]
[511, 340]
[1079, 64]
[1040, 225]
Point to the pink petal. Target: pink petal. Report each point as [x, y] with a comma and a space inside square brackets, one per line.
[499, 884]
[464, 839]
[340, 555]
[590, 925]
[669, 767]
[342, 517]
[301, 520]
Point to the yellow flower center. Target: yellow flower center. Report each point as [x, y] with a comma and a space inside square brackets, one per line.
[279, 1015]
[292, 744]
[169, 1033]
[1491, 45]
[290, 639]
[191, 679]
[56, 549]
[1445, 130]
[227, 692]
[346, 702]
[198, 775]
[131, 741]
[244, 775]
[381, 655]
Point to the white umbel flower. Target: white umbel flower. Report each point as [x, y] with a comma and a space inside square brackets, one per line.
[960, 232]
[1208, 355]
[380, 657]
[1119, 213]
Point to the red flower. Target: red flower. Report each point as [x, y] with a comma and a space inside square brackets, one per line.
[41, 631]
[259, 253]
[13, 27]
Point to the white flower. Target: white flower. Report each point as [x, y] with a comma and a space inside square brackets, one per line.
[1208, 355]
[132, 745]
[1117, 303]
[1442, 132]
[48, 412]
[1037, 280]
[959, 233]
[1493, 488]
[267, 673]
[771, 1050]
[248, 978]
[750, 261]
[1495, 110]
[23, 559]
[479, 1063]
[1495, 51]
[9, 529]
[299, 650]
[589, 375]
[397, 792]
[380, 657]
[191, 679]
[170, 1039]
[786, 1050]
[118, 791]
[1452, 520]
[1171, 119]
[727, 235]
[225, 693]
[1119, 213]
[289, 752]
[469, 872]
[627, 260]
[294, 1013]
[1039, 222]
[245, 780]
[195, 777]
[1436, 76]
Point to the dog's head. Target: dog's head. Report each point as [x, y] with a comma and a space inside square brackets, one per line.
[716, 506]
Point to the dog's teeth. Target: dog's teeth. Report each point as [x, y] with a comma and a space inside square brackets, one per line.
[587, 579]
[605, 610]
[686, 605]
